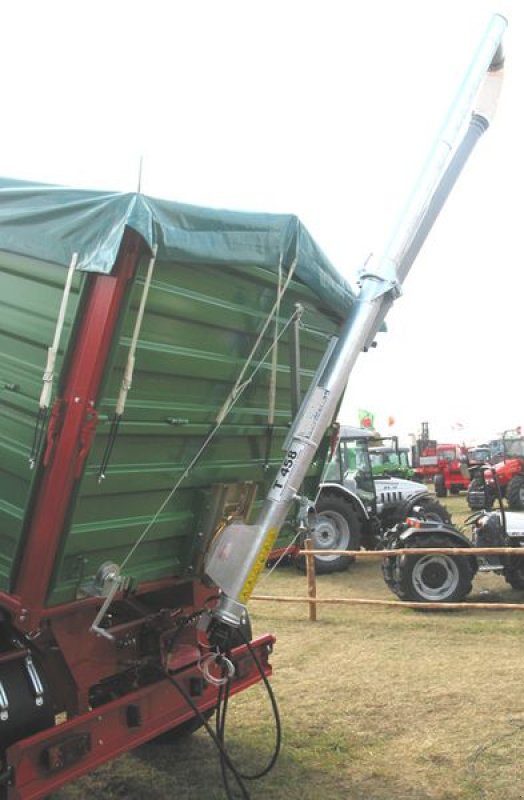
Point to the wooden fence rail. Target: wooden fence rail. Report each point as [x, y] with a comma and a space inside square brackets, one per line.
[313, 601]
[418, 551]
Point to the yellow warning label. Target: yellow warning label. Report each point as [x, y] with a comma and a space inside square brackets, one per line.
[258, 566]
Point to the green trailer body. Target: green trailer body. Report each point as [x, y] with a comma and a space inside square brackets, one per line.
[214, 284]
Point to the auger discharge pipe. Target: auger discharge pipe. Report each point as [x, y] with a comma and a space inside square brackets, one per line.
[239, 552]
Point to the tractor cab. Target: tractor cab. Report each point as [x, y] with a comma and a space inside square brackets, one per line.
[351, 465]
[388, 459]
[387, 496]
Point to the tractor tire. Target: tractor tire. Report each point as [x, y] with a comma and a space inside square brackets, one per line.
[335, 526]
[515, 493]
[435, 511]
[478, 495]
[440, 486]
[514, 575]
[430, 578]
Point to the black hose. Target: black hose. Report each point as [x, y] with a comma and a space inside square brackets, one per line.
[218, 735]
[223, 753]
[276, 714]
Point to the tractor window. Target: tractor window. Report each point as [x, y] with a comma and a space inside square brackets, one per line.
[479, 454]
[358, 472]
[514, 448]
[447, 455]
[376, 459]
[335, 469]
[404, 460]
[392, 458]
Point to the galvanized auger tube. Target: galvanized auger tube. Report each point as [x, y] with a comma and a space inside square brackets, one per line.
[239, 553]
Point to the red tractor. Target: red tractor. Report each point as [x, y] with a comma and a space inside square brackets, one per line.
[453, 473]
[508, 466]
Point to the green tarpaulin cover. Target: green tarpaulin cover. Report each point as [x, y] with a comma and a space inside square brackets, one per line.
[50, 223]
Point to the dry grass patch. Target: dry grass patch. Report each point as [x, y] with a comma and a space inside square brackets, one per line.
[377, 704]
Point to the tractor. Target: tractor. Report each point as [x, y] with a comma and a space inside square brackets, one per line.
[447, 578]
[507, 471]
[354, 507]
[452, 470]
[390, 460]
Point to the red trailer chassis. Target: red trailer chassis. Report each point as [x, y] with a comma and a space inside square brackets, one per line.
[86, 698]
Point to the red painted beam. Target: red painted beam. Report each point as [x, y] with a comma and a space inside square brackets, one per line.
[156, 708]
[65, 455]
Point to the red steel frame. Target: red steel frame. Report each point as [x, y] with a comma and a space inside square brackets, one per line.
[66, 453]
[156, 709]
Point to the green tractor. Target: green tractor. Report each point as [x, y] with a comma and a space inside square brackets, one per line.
[390, 460]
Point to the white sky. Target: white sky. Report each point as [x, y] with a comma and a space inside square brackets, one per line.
[323, 109]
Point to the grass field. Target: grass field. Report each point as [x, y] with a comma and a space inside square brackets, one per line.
[377, 704]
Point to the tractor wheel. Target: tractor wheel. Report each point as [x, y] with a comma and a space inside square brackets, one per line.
[514, 575]
[438, 578]
[478, 495]
[335, 526]
[515, 493]
[435, 511]
[440, 486]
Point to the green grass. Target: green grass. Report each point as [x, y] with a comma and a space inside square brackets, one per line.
[377, 704]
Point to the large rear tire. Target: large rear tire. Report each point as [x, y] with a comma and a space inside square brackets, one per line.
[515, 493]
[439, 578]
[435, 511]
[440, 486]
[479, 495]
[514, 575]
[335, 526]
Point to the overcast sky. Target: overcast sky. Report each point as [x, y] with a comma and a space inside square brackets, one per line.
[323, 109]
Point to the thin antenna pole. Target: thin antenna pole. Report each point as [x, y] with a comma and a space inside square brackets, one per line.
[139, 186]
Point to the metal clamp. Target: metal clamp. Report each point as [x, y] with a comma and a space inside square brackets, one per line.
[384, 273]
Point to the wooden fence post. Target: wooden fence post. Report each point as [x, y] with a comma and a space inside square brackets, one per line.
[311, 580]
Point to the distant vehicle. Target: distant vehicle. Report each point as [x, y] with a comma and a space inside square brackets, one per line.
[508, 467]
[452, 470]
[480, 454]
[354, 507]
[390, 460]
[424, 459]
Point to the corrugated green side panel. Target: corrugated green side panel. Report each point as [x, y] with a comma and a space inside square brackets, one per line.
[30, 296]
[199, 327]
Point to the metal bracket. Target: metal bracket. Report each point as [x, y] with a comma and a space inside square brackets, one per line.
[385, 275]
[106, 583]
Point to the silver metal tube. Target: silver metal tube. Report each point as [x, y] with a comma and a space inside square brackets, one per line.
[447, 138]
[239, 553]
